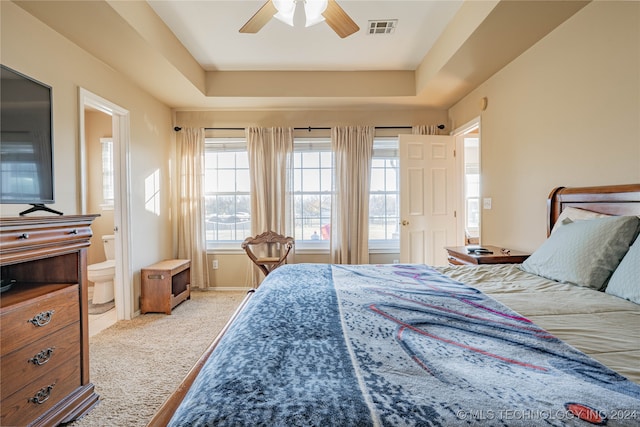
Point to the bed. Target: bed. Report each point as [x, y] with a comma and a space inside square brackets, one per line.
[394, 345]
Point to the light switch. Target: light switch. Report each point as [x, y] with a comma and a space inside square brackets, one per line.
[486, 203]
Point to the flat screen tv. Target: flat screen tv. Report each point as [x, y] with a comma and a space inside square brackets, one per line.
[26, 141]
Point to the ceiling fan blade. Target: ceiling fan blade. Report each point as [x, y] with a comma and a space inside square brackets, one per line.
[260, 18]
[338, 20]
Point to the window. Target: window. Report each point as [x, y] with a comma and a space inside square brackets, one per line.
[107, 172]
[384, 195]
[312, 190]
[313, 187]
[227, 200]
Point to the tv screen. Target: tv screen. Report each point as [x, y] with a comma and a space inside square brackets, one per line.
[26, 140]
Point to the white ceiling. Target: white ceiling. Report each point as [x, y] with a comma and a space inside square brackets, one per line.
[209, 31]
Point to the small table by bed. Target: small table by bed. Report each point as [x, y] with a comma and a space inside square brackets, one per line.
[459, 255]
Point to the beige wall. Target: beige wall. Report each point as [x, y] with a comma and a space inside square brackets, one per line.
[234, 269]
[34, 49]
[564, 113]
[313, 118]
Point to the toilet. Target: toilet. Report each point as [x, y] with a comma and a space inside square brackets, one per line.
[103, 273]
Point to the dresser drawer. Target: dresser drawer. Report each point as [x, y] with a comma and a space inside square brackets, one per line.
[34, 399]
[42, 236]
[27, 364]
[30, 320]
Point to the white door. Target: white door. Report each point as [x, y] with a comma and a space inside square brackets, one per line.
[427, 198]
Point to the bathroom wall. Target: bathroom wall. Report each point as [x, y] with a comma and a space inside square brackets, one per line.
[97, 125]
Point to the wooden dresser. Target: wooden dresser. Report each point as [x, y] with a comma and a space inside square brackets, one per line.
[44, 320]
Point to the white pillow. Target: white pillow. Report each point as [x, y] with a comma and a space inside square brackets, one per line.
[570, 214]
[625, 281]
[584, 253]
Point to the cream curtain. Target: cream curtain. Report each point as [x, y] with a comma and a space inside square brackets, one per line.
[353, 150]
[270, 166]
[425, 130]
[191, 215]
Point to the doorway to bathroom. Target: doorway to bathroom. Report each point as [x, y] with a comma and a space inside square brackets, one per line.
[104, 137]
[469, 179]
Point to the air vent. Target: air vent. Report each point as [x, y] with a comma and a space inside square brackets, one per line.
[387, 26]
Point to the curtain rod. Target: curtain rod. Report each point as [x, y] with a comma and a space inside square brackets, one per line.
[310, 128]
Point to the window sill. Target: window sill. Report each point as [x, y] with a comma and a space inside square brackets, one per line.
[302, 248]
[225, 248]
[323, 248]
[384, 246]
[384, 250]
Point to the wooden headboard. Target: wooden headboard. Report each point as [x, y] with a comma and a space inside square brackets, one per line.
[608, 199]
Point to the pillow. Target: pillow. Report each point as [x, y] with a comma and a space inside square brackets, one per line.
[625, 281]
[584, 253]
[570, 214]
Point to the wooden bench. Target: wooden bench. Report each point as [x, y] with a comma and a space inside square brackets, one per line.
[164, 285]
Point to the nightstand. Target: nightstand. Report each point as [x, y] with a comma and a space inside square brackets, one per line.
[459, 255]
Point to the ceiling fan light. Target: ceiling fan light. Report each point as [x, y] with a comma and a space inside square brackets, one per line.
[313, 10]
[286, 9]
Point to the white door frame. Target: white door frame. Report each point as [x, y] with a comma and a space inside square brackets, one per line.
[122, 214]
[459, 133]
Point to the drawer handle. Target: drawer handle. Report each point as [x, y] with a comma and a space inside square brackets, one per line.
[23, 236]
[42, 357]
[155, 276]
[42, 319]
[42, 395]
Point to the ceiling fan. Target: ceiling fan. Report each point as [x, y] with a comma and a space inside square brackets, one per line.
[316, 11]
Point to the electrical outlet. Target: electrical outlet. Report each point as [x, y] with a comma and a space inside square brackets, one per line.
[486, 203]
[214, 264]
[395, 261]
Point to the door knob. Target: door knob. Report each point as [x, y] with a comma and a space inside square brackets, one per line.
[404, 222]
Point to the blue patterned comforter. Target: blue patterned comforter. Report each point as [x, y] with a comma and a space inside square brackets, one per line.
[395, 345]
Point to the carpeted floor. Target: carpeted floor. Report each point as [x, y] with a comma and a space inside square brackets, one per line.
[135, 365]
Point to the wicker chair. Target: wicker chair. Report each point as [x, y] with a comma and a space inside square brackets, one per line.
[268, 250]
